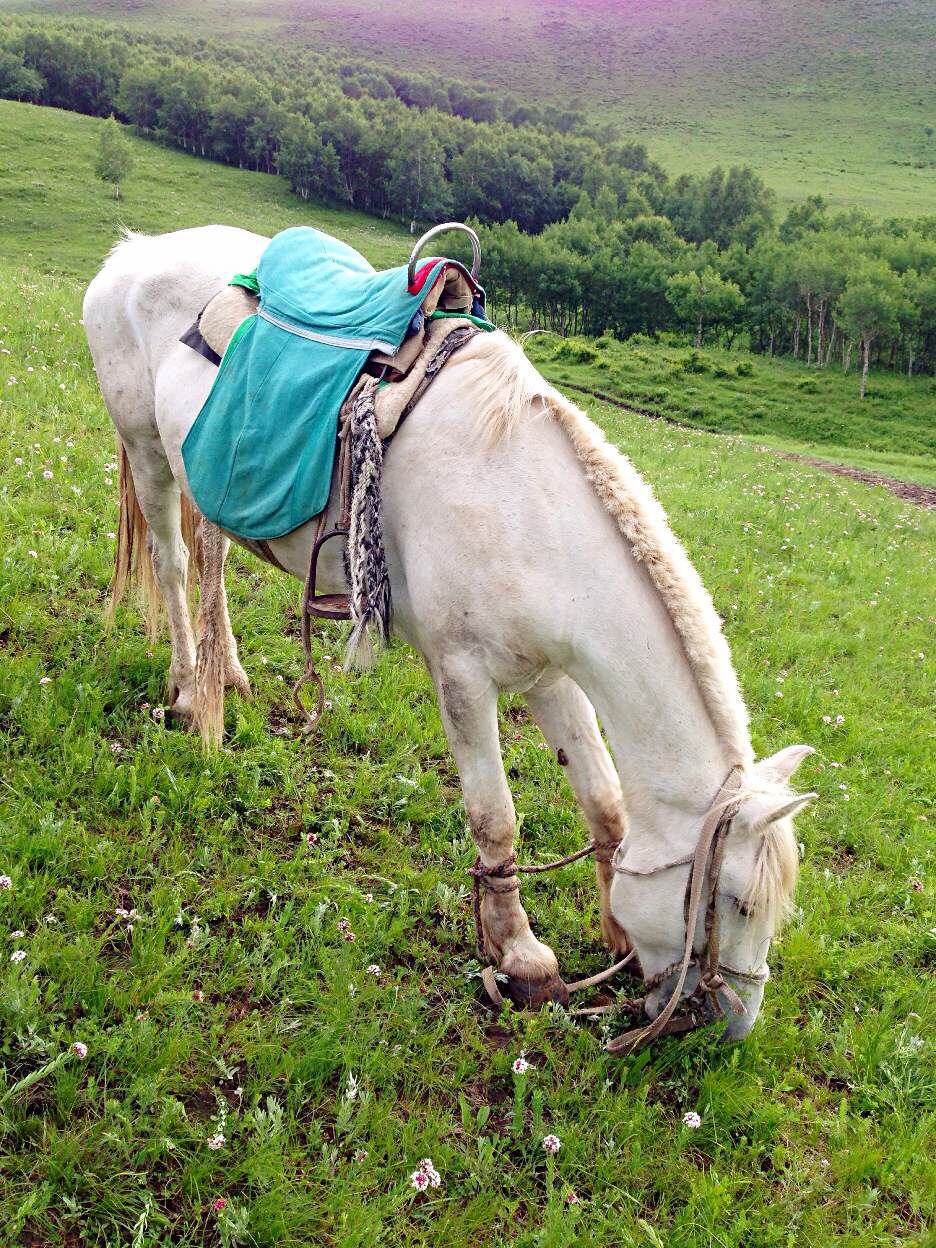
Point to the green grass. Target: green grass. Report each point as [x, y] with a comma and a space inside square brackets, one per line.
[235, 1003]
[779, 402]
[818, 98]
[56, 216]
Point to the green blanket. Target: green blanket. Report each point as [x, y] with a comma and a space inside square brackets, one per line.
[259, 455]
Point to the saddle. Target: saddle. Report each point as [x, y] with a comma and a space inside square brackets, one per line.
[291, 340]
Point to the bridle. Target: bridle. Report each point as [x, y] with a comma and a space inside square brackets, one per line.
[706, 860]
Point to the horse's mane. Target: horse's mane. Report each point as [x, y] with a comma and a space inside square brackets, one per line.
[506, 388]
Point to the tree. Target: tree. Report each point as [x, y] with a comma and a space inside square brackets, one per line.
[703, 298]
[870, 308]
[19, 81]
[114, 159]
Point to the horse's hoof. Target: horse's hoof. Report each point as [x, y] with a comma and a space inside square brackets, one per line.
[533, 994]
[236, 678]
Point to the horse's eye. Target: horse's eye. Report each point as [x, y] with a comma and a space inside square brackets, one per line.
[742, 908]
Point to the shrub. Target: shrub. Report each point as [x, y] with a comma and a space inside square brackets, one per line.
[575, 351]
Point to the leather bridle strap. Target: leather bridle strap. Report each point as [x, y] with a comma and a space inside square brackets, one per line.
[721, 812]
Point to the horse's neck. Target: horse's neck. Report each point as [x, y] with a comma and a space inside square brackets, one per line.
[667, 752]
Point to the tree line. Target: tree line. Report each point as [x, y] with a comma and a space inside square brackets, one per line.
[582, 231]
[819, 287]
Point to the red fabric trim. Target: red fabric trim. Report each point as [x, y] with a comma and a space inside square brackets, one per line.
[421, 274]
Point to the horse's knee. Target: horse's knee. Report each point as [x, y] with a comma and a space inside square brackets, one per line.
[604, 811]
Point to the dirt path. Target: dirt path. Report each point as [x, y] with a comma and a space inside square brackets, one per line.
[921, 495]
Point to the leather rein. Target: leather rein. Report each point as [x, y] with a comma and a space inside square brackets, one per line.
[706, 862]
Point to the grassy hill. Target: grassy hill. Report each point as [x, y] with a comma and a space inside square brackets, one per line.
[836, 98]
[181, 914]
[56, 216]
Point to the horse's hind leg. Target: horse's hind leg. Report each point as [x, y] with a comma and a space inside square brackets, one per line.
[568, 722]
[468, 702]
[160, 501]
[217, 664]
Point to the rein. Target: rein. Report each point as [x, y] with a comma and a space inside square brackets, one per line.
[709, 852]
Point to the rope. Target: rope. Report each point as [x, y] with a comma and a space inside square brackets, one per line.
[501, 878]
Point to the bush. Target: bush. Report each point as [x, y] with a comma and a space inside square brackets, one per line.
[744, 368]
[575, 351]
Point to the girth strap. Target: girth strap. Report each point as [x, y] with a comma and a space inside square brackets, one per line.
[709, 846]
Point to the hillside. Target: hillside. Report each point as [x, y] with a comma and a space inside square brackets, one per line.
[56, 215]
[830, 98]
[233, 1004]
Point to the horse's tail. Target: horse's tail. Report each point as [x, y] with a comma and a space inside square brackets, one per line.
[133, 564]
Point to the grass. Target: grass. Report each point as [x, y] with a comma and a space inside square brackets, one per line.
[229, 999]
[835, 99]
[780, 402]
[56, 216]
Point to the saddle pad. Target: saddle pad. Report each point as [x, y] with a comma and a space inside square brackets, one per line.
[259, 456]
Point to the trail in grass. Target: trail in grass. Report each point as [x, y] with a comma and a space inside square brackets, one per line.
[922, 495]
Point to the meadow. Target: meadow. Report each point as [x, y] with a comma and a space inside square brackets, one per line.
[56, 216]
[816, 97]
[249, 1075]
[182, 915]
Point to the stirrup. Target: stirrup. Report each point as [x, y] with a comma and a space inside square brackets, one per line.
[326, 606]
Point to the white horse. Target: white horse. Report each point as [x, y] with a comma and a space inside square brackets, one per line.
[525, 554]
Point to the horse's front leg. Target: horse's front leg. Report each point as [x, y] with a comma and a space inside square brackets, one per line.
[468, 702]
[569, 724]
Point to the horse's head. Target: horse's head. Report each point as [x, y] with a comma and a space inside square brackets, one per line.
[755, 879]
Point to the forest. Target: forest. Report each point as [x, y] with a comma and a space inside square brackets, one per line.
[582, 231]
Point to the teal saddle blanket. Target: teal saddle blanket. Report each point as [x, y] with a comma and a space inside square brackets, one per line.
[259, 456]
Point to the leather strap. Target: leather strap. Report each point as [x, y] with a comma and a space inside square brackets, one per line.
[716, 822]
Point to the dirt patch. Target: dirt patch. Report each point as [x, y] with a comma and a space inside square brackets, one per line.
[920, 495]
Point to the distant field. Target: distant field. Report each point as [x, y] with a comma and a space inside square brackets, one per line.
[782, 402]
[56, 216]
[837, 99]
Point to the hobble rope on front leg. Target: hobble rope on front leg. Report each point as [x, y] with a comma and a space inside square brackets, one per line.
[500, 878]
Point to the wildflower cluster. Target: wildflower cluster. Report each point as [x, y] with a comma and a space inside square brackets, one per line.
[425, 1176]
[344, 926]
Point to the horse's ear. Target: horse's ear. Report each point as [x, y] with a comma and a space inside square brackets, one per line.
[783, 764]
[762, 809]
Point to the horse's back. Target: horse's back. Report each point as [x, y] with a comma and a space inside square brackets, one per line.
[146, 294]
[151, 286]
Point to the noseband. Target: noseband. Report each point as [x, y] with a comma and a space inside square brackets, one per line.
[707, 858]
